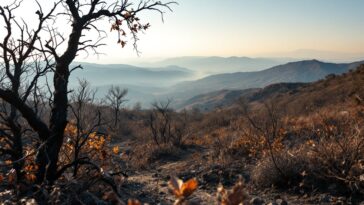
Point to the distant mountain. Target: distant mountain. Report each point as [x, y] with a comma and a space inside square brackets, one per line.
[302, 71]
[216, 65]
[332, 56]
[147, 85]
[345, 91]
[100, 75]
[226, 98]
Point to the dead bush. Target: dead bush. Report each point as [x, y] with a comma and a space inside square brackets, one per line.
[227, 146]
[292, 166]
[339, 163]
[168, 127]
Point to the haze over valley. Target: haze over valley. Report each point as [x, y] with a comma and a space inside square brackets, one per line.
[182, 79]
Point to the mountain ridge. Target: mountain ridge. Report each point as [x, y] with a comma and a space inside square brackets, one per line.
[293, 72]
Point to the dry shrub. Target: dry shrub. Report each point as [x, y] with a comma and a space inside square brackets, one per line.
[227, 146]
[265, 174]
[337, 156]
[330, 158]
[235, 146]
[339, 163]
[219, 147]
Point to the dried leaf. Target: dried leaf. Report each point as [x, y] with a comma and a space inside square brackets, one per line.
[134, 202]
[236, 196]
[189, 187]
[123, 43]
[115, 150]
[175, 185]
[181, 189]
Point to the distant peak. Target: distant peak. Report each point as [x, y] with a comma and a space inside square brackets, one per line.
[307, 61]
[315, 60]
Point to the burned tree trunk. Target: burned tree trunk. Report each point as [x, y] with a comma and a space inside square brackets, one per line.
[48, 159]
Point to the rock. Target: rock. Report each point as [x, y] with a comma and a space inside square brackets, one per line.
[256, 201]
[272, 203]
[325, 198]
[31, 202]
[281, 202]
[7, 202]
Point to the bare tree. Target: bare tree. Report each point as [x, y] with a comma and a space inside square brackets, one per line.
[167, 126]
[116, 98]
[18, 62]
[57, 53]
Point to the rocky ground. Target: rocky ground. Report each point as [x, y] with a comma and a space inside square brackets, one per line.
[151, 185]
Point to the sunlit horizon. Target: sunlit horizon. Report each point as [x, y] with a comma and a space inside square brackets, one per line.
[311, 29]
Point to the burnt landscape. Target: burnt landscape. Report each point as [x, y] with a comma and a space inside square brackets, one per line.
[199, 129]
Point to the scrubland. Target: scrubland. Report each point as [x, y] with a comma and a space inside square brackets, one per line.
[274, 150]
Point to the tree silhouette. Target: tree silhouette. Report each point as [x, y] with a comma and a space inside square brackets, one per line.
[27, 54]
[115, 98]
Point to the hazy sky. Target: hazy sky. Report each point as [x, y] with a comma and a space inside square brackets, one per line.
[254, 28]
[248, 28]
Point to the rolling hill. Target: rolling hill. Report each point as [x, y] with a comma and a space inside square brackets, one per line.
[213, 100]
[294, 98]
[302, 71]
[225, 98]
[342, 90]
[147, 85]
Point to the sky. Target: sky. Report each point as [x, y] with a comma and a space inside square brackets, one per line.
[255, 28]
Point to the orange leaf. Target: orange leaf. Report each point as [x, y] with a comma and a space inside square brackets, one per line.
[115, 150]
[180, 189]
[134, 202]
[189, 187]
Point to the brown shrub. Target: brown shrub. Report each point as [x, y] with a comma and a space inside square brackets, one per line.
[265, 174]
[339, 163]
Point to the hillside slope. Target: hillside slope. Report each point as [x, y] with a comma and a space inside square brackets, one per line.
[213, 100]
[302, 71]
[343, 90]
[225, 98]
